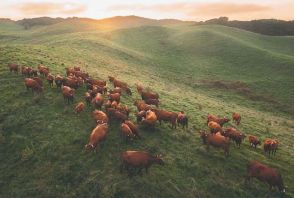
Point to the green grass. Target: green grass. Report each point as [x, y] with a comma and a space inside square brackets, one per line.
[42, 139]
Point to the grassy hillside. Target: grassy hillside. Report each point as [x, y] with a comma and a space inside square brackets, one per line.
[197, 69]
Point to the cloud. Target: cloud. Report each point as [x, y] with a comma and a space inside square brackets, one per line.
[50, 8]
[196, 9]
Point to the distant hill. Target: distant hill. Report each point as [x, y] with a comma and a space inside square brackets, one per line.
[271, 27]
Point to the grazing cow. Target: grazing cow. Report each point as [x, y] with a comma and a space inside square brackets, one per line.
[79, 107]
[152, 102]
[123, 108]
[139, 160]
[234, 135]
[39, 80]
[98, 101]
[149, 95]
[59, 81]
[265, 174]
[126, 131]
[163, 115]
[142, 106]
[270, 146]
[100, 117]
[221, 121]
[116, 114]
[114, 97]
[150, 119]
[88, 98]
[182, 119]
[100, 83]
[97, 136]
[140, 115]
[133, 127]
[33, 84]
[253, 141]
[115, 90]
[214, 127]
[50, 79]
[68, 94]
[13, 67]
[236, 118]
[217, 141]
[117, 83]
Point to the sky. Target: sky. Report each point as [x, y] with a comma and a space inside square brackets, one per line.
[196, 10]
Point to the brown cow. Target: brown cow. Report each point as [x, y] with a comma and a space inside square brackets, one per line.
[182, 119]
[68, 94]
[139, 160]
[58, 81]
[97, 136]
[140, 88]
[33, 84]
[221, 121]
[149, 95]
[214, 127]
[163, 115]
[122, 85]
[253, 141]
[265, 174]
[71, 82]
[133, 127]
[126, 132]
[50, 79]
[114, 97]
[152, 102]
[217, 141]
[150, 119]
[142, 106]
[115, 90]
[234, 135]
[39, 80]
[100, 117]
[116, 114]
[98, 101]
[270, 146]
[13, 67]
[100, 83]
[79, 107]
[236, 118]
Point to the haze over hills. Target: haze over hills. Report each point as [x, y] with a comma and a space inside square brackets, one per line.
[199, 69]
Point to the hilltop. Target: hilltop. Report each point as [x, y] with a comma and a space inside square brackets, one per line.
[198, 69]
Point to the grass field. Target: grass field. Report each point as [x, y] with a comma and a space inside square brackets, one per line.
[197, 69]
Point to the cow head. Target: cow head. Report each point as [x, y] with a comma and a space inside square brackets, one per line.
[89, 147]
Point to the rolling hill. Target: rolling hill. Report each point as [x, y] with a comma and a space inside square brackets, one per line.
[198, 69]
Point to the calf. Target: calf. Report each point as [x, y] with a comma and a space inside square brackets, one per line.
[217, 141]
[236, 118]
[253, 141]
[138, 160]
[97, 136]
[265, 174]
[88, 98]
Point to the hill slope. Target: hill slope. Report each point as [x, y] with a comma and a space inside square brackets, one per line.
[200, 70]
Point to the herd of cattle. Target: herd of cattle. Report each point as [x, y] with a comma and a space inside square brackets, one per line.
[148, 114]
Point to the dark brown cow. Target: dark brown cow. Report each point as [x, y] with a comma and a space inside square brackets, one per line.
[182, 119]
[138, 160]
[33, 84]
[270, 146]
[114, 97]
[98, 101]
[97, 136]
[265, 174]
[234, 135]
[50, 79]
[163, 115]
[253, 141]
[152, 102]
[100, 117]
[236, 118]
[116, 114]
[68, 94]
[13, 67]
[79, 107]
[217, 141]
[221, 121]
